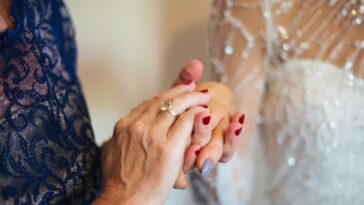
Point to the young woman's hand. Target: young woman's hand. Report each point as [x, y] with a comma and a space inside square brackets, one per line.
[142, 160]
[219, 146]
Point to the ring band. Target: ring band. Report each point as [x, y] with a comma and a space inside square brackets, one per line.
[166, 106]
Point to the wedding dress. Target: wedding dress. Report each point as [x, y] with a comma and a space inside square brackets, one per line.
[297, 69]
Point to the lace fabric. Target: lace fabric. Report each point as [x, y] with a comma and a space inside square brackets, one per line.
[47, 149]
[297, 69]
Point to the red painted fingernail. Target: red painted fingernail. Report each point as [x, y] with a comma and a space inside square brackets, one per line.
[238, 131]
[206, 120]
[242, 119]
[204, 91]
[204, 106]
[188, 82]
[197, 151]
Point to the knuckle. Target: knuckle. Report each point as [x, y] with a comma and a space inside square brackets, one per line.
[137, 128]
[121, 124]
[216, 150]
[162, 148]
[157, 99]
[176, 103]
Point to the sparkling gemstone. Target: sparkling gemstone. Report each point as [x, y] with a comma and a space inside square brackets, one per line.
[165, 106]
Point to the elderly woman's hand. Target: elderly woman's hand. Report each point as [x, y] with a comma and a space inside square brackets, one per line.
[142, 160]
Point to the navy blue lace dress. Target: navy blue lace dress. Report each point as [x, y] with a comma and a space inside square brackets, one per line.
[47, 149]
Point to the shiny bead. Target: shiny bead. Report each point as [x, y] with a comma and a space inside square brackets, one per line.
[357, 21]
[229, 50]
[348, 65]
[283, 32]
[359, 44]
[351, 76]
[291, 161]
[361, 9]
[354, 12]
[266, 14]
[344, 13]
[285, 47]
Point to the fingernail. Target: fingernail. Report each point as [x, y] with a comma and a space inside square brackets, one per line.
[204, 106]
[242, 119]
[206, 168]
[188, 82]
[197, 151]
[238, 131]
[206, 120]
[204, 91]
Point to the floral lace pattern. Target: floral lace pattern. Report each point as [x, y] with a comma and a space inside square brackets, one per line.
[47, 149]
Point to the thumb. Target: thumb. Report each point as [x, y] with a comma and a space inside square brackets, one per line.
[192, 71]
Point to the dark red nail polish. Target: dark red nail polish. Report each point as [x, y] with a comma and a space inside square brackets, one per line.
[204, 91]
[242, 119]
[188, 82]
[238, 131]
[204, 106]
[197, 151]
[206, 120]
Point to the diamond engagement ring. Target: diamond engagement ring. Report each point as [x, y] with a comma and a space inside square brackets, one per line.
[166, 106]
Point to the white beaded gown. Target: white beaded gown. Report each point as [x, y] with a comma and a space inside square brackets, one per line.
[297, 69]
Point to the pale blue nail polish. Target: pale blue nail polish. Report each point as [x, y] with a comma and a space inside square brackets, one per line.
[206, 168]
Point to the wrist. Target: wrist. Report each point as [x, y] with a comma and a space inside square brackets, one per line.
[108, 198]
[118, 196]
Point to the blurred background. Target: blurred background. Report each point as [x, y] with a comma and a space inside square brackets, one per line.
[131, 49]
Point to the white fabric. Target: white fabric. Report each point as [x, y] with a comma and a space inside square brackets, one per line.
[309, 148]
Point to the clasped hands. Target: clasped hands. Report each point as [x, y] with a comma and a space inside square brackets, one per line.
[151, 151]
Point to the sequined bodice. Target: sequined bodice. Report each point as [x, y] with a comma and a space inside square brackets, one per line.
[313, 134]
[298, 67]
